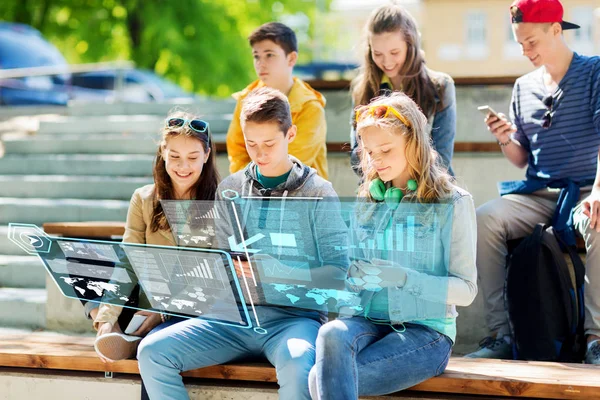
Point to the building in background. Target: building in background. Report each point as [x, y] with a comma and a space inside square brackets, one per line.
[464, 38]
[470, 38]
[341, 33]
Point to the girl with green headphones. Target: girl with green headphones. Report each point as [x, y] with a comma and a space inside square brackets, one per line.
[402, 346]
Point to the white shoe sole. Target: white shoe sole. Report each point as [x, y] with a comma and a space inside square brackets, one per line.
[116, 346]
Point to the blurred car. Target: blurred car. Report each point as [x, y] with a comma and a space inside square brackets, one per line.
[22, 46]
[138, 86]
[324, 70]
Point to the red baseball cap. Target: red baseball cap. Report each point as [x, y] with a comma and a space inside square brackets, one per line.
[539, 12]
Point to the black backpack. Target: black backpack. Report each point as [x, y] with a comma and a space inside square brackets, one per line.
[543, 295]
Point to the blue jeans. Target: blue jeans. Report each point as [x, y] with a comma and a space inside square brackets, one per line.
[195, 343]
[357, 357]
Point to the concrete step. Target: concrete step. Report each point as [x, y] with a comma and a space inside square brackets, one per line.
[120, 124]
[38, 211]
[85, 144]
[200, 107]
[54, 385]
[7, 112]
[81, 144]
[64, 313]
[206, 106]
[75, 187]
[6, 246]
[22, 272]
[23, 308]
[82, 164]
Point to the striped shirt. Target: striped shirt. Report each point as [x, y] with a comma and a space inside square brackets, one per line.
[569, 147]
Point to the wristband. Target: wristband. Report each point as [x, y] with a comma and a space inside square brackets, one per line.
[164, 317]
[509, 141]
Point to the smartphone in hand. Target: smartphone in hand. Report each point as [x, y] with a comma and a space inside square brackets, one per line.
[488, 111]
[135, 323]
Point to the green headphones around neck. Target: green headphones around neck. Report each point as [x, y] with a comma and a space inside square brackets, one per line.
[392, 195]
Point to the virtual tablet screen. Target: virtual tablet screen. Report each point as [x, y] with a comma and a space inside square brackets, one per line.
[178, 281]
[300, 249]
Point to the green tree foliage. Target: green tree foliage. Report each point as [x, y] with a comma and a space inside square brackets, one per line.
[199, 44]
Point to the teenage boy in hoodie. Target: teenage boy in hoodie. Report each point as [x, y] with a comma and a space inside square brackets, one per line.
[275, 52]
[288, 339]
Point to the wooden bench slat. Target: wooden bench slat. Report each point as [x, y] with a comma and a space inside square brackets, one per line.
[509, 388]
[79, 355]
[464, 376]
[101, 229]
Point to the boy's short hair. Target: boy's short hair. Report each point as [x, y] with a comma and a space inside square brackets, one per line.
[279, 33]
[264, 105]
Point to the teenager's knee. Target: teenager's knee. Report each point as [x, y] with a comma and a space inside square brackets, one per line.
[592, 240]
[334, 335]
[146, 351]
[154, 352]
[489, 217]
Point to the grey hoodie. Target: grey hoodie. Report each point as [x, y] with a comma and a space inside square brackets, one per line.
[304, 210]
[303, 181]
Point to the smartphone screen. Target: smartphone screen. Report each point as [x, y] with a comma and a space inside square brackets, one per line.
[488, 111]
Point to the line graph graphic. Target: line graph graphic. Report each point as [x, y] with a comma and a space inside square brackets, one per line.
[272, 269]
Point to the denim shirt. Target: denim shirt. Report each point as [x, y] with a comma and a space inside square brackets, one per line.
[441, 125]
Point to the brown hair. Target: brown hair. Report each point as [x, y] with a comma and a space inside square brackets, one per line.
[516, 14]
[280, 34]
[423, 162]
[206, 186]
[265, 105]
[416, 83]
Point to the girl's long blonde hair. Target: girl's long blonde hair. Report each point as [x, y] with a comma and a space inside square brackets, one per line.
[423, 162]
[416, 83]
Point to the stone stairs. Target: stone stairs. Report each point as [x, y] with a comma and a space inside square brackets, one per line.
[81, 165]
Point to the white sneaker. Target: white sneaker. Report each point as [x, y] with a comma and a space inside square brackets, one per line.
[491, 347]
[592, 356]
[116, 346]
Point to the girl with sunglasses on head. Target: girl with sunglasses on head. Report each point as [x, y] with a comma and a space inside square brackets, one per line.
[394, 62]
[184, 169]
[383, 347]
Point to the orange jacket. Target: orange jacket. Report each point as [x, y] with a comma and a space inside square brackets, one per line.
[308, 114]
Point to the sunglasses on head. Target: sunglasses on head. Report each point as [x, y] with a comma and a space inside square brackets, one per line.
[197, 125]
[379, 111]
[547, 118]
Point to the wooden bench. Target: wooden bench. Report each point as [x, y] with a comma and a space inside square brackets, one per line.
[463, 376]
[90, 230]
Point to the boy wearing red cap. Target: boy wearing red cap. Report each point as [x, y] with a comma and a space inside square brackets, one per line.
[554, 131]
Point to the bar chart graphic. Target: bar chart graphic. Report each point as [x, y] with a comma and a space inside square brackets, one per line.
[211, 214]
[400, 236]
[410, 236]
[194, 270]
